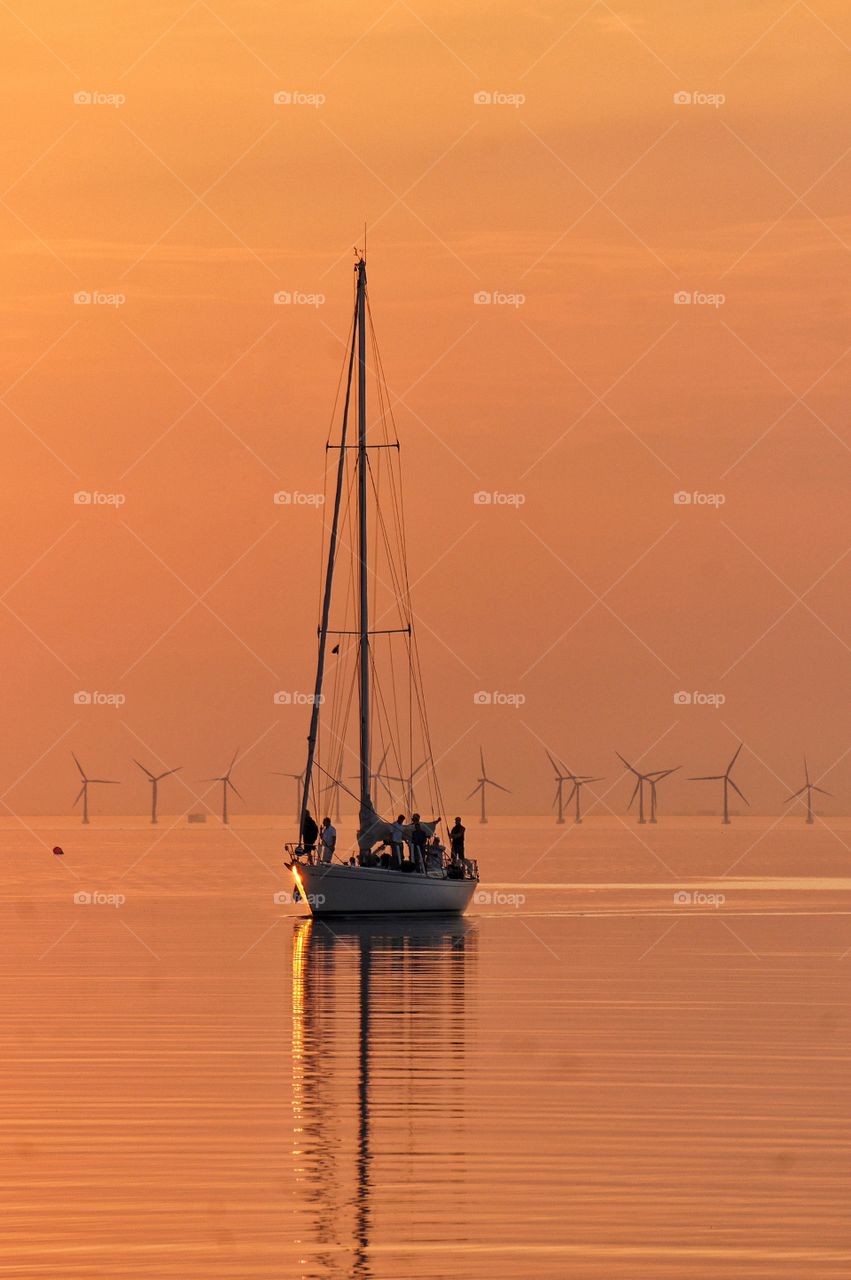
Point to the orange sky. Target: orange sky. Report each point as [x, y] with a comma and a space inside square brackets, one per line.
[597, 198]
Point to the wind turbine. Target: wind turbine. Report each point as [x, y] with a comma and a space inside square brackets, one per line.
[299, 784]
[84, 789]
[406, 782]
[640, 779]
[482, 785]
[226, 782]
[809, 787]
[653, 779]
[155, 778]
[728, 782]
[579, 782]
[560, 779]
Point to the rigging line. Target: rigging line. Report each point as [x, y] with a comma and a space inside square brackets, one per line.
[326, 598]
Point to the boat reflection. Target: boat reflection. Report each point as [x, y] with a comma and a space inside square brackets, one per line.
[378, 1033]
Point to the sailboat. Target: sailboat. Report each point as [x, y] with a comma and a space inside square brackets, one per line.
[399, 867]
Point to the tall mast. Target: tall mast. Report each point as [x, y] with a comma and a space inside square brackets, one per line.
[363, 614]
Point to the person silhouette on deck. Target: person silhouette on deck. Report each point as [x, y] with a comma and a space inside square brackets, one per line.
[309, 832]
[456, 836]
[419, 839]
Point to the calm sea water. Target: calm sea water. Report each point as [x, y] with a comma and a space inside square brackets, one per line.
[586, 1077]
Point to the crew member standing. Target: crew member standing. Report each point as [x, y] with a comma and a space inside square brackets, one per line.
[456, 836]
[309, 832]
[328, 840]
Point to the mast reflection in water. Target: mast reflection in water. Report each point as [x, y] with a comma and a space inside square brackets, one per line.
[379, 1016]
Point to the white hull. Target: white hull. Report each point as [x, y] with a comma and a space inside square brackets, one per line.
[334, 890]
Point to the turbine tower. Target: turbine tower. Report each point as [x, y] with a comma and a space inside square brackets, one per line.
[727, 781]
[809, 787]
[225, 780]
[482, 785]
[155, 778]
[84, 789]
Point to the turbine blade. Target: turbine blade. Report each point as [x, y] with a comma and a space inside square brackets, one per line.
[735, 758]
[232, 763]
[79, 766]
[228, 783]
[142, 767]
[806, 771]
[552, 762]
[499, 785]
[821, 790]
[794, 795]
[79, 796]
[708, 777]
[626, 762]
[634, 793]
[738, 792]
[482, 759]
[110, 782]
[473, 792]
